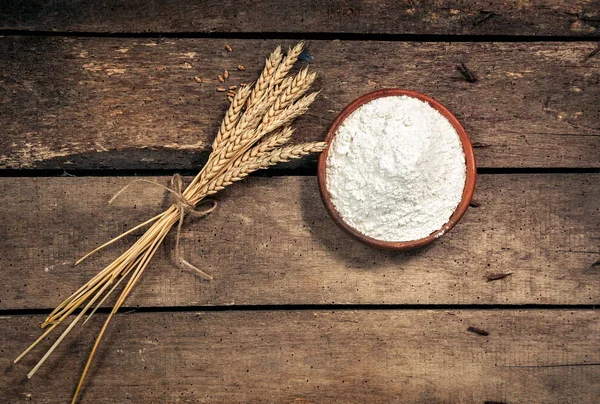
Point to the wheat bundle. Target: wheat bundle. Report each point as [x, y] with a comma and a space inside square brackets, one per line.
[252, 136]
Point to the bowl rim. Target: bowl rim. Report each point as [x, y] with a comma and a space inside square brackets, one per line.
[468, 190]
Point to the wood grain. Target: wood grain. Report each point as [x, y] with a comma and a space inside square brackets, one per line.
[271, 242]
[115, 103]
[441, 17]
[408, 356]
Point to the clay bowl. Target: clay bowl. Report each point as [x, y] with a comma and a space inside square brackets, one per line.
[467, 191]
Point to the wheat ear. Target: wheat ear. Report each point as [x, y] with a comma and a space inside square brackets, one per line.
[286, 64]
[231, 118]
[245, 135]
[271, 158]
[262, 84]
[254, 103]
[283, 118]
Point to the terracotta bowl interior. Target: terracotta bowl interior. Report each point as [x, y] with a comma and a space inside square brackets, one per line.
[467, 191]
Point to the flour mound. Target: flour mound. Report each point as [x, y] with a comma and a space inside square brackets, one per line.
[396, 169]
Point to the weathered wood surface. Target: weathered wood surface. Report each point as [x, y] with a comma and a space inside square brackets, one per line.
[445, 17]
[408, 356]
[108, 103]
[271, 242]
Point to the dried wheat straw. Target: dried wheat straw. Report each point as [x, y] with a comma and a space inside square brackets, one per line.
[252, 136]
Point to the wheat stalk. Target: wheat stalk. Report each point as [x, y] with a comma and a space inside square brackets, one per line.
[252, 136]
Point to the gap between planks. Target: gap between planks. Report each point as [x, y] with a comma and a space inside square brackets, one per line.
[311, 307]
[310, 36]
[271, 172]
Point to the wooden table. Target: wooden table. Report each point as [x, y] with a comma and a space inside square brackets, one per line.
[92, 93]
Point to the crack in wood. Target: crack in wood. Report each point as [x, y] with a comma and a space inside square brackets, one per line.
[583, 17]
[487, 16]
[466, 72]
[496, 277]
[478, 331]
[558, 365]
[592, 53]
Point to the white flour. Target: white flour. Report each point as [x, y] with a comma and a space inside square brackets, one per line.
[396, 169]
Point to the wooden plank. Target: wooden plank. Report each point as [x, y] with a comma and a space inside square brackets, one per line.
[441, 17]
[110, 103]
[271, 242]
[411, 356]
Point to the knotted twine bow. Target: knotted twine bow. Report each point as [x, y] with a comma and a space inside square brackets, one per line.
[184, 207]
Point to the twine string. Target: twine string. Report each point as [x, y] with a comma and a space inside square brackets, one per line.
[185, 208]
